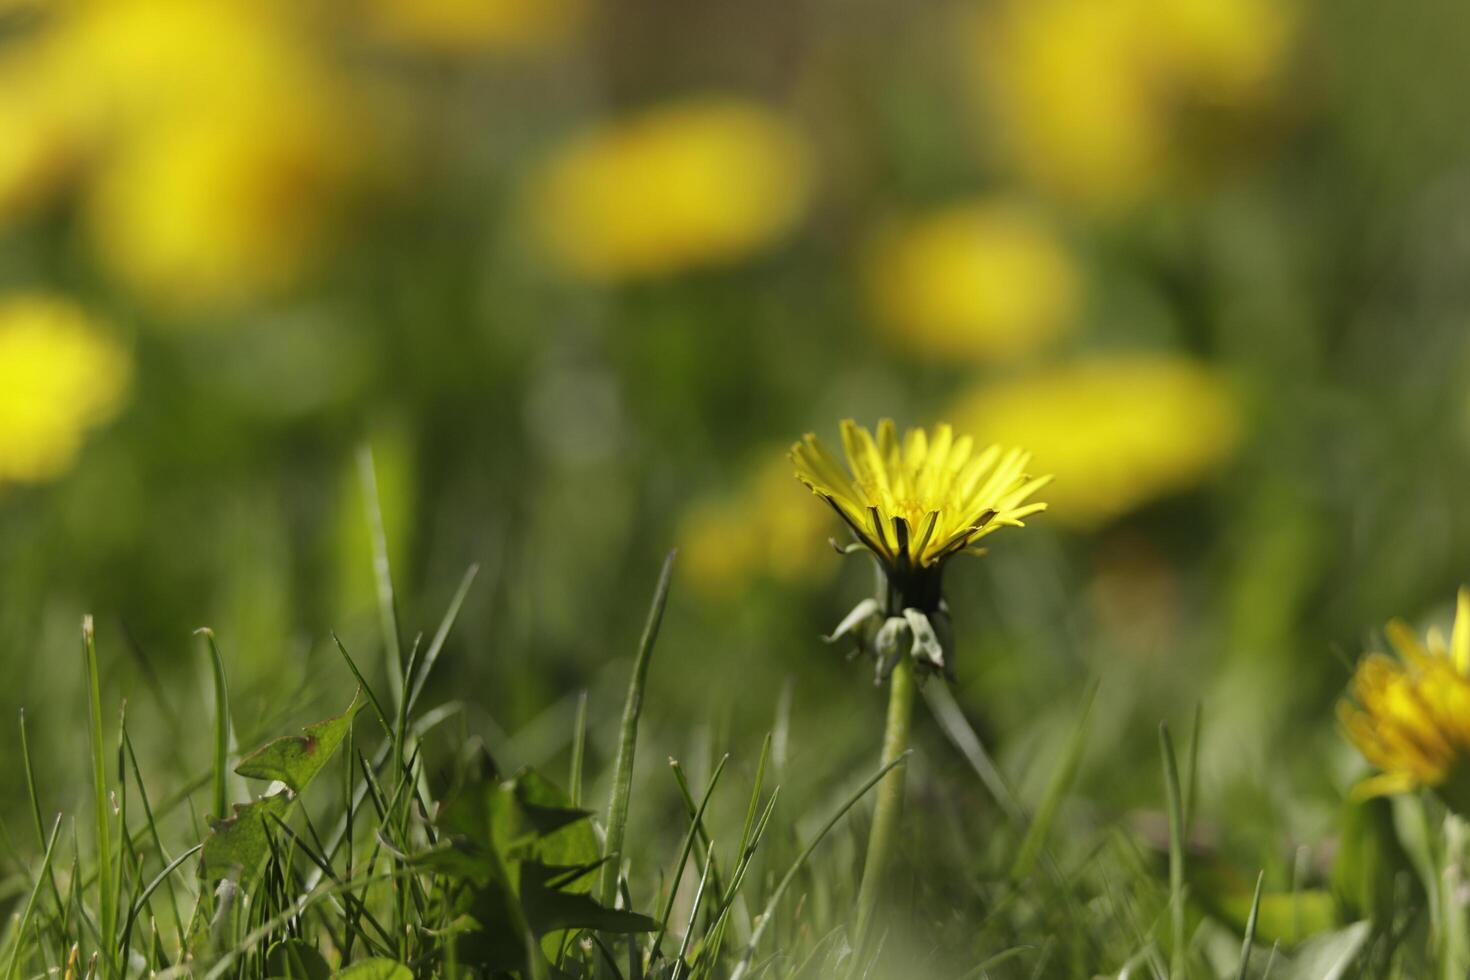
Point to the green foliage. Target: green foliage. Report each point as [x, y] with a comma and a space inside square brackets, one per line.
[241, 843]
[375, 969]
[296, 759]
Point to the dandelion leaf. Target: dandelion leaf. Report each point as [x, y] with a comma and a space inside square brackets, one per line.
[549, 907]
[296, 759]
[240, 843]
[529, 857]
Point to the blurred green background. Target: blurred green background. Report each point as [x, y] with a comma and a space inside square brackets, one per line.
[578, 273]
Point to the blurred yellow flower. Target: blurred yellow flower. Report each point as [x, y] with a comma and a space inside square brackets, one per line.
[767, 530]
[60, 375]
[1098, 98]
[1118, 432]
[216, 142]
[132, 63]
[982, 280]
[696, 183]
[217, 210]
[469, 26]
[1411, 717]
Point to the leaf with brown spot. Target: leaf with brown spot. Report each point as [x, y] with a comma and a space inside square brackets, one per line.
[296, 759]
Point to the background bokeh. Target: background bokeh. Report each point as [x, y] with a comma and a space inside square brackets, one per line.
[578, 273]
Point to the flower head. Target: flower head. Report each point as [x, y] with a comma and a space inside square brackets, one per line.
[60, 375]
[1104, 101]
[915, 503]
[982, 280]
[1410, 717]
[765, 530]
[1120, 431]
[698, 183]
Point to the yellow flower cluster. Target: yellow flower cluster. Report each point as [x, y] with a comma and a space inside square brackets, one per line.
[209, 140]
[1410, 717]
[1118, 432]
[695, 183]
[1098, 97]
[981, 280]
[60, 375]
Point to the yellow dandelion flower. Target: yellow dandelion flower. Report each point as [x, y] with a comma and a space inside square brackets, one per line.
[914, 504]
[1410, 717]
[697, 183]
[982, 280]
[462, 27]
[217, 210]
[766, 530]
[1096, 97]
[1118, 431]
[60, 375]
[130, 63]
[217, 138]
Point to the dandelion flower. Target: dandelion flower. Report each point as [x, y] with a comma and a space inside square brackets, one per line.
[1100, 100]
[60, 375]
[765, 531]
[1119, 431]
[216, 211]
[696, 183]
[982, 280]
[915, 504]
[219, 143]
[1410, 717]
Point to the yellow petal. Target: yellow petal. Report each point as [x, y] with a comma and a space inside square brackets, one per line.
[1460, 636]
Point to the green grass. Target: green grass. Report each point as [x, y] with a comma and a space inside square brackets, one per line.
[385, 841]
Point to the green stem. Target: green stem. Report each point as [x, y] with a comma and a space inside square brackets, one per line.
[889, 806]
[1455, 956]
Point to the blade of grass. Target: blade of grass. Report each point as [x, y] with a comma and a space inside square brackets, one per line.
[1191, 778]
[1175, 801]
[147, 892]
[694, 825]
[617, 807]
[125, 847]
[737, 879]
[153, 831]
[1250, 929]
[693, 916]
[579, 748]
[743, 857]
[768, 913]
[957, 728]
[106, 888]
[382, 572]
[981, 969]
[1056, 790]
[703, 843]
[219, 798]
[389, 728]
[35, 798]
[25, 918]
[436, 645]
